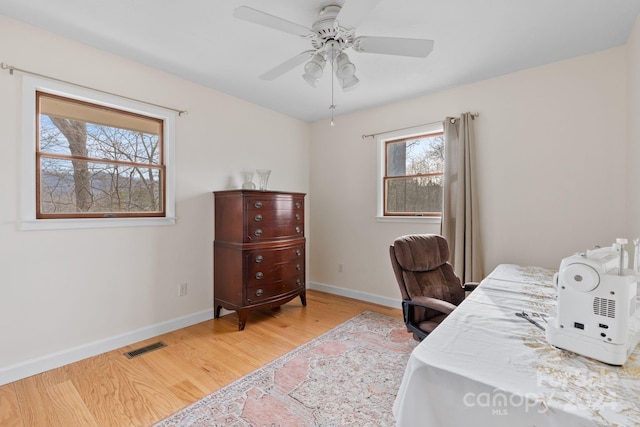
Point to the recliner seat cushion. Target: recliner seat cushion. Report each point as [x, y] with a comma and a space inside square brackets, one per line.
[440, 283]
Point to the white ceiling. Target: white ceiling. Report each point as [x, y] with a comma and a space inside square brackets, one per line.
[201, 41]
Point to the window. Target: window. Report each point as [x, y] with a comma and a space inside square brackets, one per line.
[94, 159]
[411, 173]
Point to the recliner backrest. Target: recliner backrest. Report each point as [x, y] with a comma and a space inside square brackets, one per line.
[424, 270]
[421, 252]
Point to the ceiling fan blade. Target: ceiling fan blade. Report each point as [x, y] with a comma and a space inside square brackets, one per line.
[261, 18]
[288, 65]
[419, 48]
[354, 11]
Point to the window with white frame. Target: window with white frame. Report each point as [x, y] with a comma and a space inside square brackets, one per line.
[94, 160]
[411, 166]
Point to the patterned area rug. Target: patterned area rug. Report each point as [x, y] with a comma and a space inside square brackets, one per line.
[348, 376]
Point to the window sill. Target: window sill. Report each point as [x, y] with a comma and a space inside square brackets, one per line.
[63, 224]
[410, 219]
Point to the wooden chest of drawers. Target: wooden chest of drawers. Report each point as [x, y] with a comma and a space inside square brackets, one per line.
[259, 250]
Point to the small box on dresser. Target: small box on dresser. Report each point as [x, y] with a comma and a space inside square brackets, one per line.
[258, 251]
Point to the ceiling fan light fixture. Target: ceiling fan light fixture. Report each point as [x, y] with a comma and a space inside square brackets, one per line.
[314, 67]
[349, 83]
[313, 81]
[344, 68]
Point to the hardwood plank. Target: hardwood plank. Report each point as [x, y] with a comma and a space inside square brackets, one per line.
[187, 391]
[36, 406]
[100, 390]
[111, 390]
[10, 411]
[69, 406]
[145, 395]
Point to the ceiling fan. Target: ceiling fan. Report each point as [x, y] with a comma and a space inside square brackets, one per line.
[331, 34]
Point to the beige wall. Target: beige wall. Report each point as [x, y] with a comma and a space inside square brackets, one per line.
[551, 159]
[67, 289]
[633, 134]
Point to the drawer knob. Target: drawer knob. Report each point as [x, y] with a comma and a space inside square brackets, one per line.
[298, 216]
[258, 232]
[298, 252]
[259, 258]
[298, 267]
[297, 229]
[298, 205]
[299, 282]
[257, 218]
[257, 204]
[259, 275]
[259, 292]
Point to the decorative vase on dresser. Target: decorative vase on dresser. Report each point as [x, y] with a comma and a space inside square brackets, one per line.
[258, 251]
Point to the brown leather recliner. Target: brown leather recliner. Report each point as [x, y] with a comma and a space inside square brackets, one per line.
[429, 287]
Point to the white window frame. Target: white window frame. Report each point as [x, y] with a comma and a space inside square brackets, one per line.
[381, 140]
[31, 84]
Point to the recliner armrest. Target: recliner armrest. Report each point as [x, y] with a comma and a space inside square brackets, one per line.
[470, 286]
[432, 303]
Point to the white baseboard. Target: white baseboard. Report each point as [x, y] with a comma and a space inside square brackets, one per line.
[31, 367]
[350, 293]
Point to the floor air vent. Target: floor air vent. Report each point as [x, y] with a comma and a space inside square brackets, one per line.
[145, 349]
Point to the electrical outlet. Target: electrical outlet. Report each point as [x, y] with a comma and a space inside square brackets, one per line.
[182, 289]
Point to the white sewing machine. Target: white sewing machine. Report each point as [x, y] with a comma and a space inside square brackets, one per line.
[596, 313]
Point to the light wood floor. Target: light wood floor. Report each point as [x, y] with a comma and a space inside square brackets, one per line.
[111, 390]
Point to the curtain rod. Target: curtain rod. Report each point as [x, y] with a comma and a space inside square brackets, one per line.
[12, 69]
[453, 119]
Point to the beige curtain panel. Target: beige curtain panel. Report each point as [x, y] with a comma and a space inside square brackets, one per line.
[460, 225]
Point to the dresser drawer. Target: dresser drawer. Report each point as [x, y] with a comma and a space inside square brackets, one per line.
[260, 233]
[274, 217]
[271, 202]
[266, 291]
[262, 257]
[257, 274]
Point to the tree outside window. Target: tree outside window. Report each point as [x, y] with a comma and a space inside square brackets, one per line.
[413, 175]
[97, 162]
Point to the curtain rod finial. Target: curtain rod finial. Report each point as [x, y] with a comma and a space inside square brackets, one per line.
[6, 67]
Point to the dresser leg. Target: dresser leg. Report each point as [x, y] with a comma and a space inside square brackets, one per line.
[217, 313]
[242, 319]
[303, 299]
